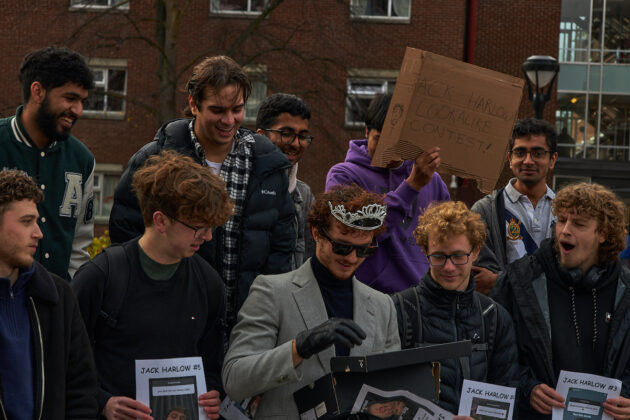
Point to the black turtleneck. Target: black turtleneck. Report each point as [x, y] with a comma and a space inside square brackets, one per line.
[577, 306]
[337, 295]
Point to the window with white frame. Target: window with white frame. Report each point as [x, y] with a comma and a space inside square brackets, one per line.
[100, 4]
[107, 99]
[360, 91]
[388, 9]
[106, 177]
[258, 76]
[560, 181]
[245, 7]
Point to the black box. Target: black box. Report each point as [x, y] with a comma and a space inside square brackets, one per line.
[412, 370]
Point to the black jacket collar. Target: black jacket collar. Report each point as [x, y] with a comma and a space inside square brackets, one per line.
[41, 285]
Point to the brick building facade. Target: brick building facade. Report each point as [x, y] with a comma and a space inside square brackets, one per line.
[332, 53]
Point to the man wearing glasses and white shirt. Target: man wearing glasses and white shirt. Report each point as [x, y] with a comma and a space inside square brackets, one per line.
[519, 216]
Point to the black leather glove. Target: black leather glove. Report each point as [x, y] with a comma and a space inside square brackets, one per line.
[334, 331]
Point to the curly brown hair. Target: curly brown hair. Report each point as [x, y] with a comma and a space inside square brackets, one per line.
[448, 219]
[353, 199]
[16, 185]
[598, 202]
[179, 187]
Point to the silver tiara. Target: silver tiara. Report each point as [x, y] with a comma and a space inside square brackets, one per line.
[370, 217]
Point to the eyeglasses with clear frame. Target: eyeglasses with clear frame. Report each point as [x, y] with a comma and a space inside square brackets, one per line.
[537, 153]
[199, 232]
[439, 260]
[288, 136]
[363, 251]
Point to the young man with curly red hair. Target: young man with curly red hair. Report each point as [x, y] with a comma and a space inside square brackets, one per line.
[292, 324]
[450, 310]
[569, 301]
[174, 301]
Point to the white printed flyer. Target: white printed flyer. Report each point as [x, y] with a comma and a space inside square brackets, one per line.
[483, 401]
[239, 410]
[398, 404]
[171, 386]
[584, 395]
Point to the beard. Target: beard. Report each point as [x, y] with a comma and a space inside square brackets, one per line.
[11, 257]
[48, 122]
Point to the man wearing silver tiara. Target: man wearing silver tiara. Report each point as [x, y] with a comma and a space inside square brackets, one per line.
[292, 324]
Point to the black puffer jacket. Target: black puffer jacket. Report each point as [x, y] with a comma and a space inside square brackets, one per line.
[448, 316]
[522, 289]
[268, 236]
[65, 376]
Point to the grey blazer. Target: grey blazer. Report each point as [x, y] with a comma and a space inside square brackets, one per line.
[278, 307]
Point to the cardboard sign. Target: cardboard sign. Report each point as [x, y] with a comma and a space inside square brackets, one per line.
[468, 111]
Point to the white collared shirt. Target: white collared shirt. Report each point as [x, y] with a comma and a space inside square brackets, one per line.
[537, 222]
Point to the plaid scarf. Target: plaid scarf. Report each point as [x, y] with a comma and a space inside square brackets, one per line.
[235, 172]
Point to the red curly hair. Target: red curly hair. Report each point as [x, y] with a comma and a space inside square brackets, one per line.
[448, 219]
[601, 204]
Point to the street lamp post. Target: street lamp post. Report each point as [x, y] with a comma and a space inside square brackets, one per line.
[540, 71]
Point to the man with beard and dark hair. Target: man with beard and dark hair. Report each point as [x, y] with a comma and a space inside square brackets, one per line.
[518, 216]
[55, 82]
[570, 302]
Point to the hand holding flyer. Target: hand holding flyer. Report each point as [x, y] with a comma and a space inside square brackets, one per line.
[171, 385]
[486, 401]
[584, 396]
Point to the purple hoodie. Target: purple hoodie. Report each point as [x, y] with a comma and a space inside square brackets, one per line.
[398, 263]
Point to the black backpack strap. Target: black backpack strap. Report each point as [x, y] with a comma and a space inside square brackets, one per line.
[403, 325]
[117, 275]
[464, 362]
[418, 326]
[489, 314]
[407, 303]
[500, 208]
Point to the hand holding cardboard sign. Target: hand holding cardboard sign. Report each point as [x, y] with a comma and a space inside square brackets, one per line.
[423, 169]
[467, 110]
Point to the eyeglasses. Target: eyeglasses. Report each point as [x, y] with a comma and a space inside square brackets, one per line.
[288, 136]
[199, 231]
[363, 251]
[439, 260]
[521, 153]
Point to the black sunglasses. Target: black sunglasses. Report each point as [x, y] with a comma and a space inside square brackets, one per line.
[363, 251]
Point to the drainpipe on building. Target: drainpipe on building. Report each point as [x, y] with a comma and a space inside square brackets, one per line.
[461, 189]
[471, 31]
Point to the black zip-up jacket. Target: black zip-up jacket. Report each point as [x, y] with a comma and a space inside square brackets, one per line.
[268, 235]
[448, 316]
[65, 377]
[522, 290]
